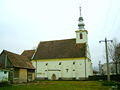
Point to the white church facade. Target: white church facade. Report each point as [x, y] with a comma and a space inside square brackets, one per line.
[67, 59]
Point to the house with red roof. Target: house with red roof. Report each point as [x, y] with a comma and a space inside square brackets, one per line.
[20, 68]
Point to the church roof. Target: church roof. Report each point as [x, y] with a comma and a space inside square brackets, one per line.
[60, 49]
[18, 60]
[28, 53]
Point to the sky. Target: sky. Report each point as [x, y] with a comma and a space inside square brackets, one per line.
[24, 23]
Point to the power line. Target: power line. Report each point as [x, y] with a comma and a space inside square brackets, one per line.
[114, 21]
[116, 18]
[108, 14]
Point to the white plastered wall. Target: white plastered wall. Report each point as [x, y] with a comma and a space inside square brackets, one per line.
[84, 34]
[67, 70]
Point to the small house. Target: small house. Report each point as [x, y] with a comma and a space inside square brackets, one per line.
[21, 69]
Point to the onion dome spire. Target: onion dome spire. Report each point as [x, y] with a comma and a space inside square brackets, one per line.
[81, 24]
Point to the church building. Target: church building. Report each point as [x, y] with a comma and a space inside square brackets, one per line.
[67, 59]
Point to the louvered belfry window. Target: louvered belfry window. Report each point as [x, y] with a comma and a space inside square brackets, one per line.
[81, 36]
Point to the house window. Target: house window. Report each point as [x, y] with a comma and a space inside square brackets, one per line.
[81, 36]
[59, 63]
[5, 72]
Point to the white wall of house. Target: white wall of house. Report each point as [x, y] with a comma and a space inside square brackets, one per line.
[112, 68]
[63, 68]
[3, 75]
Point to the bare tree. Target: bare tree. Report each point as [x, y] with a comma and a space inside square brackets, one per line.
[111, 49]
[117, 56]
[114, 53]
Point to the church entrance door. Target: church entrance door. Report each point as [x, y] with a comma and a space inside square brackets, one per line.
[53, 77]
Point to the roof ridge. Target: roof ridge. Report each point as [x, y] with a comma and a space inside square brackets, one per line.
[29, 50]
[15, 54]
[58, 40]
[11, 52]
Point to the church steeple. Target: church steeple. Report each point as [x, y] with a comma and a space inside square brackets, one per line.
[81, 23]
[81, 33]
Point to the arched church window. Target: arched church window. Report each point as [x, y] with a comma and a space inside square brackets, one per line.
[81, 36]
[67, 70]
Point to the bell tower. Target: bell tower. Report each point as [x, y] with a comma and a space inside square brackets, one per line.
[81, 33]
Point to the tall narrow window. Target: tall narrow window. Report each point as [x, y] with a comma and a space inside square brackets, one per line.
[81, 36]
[73, 63]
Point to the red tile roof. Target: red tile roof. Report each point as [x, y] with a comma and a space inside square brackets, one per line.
[28, 53]
[18, 60]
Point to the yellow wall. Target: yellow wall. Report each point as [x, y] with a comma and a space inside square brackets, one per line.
[23, 75]
[62, 59]
[33, 76]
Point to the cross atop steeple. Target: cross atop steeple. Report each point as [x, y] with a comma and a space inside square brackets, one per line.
[81, 24]
[80, 11]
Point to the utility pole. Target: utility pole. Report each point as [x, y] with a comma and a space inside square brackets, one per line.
[99, 67]
[107, 60]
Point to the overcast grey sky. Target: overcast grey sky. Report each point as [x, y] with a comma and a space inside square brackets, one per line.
[24, 23]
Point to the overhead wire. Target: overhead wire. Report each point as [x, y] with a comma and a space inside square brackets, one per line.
[107, 16]
[116, 19]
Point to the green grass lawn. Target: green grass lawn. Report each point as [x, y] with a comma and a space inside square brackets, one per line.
[59, 85]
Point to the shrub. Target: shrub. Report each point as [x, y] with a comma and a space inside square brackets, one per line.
[110, 83]
[4, 83]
